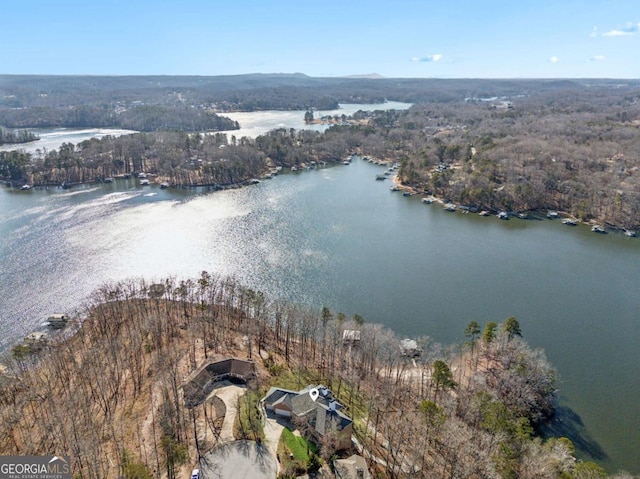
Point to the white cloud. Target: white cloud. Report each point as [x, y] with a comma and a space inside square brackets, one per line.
[628, 30]
[594, 32]
[554, 59]
[617, 33]
[429, 58]
[598, 58]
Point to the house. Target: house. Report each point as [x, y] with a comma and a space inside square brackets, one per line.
[351, 335]
[316, 406]
[409, 348]
[354, 467]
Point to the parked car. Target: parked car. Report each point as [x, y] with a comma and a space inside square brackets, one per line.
[195, 474]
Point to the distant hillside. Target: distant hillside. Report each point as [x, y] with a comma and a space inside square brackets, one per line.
[371, 76]
[283, 91]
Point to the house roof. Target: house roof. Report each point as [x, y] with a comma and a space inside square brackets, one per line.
[275, 394]
[323, 413]
[351, 335]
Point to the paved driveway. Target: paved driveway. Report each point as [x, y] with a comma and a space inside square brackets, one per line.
[239, 460]
[272, 430]
[229, 394]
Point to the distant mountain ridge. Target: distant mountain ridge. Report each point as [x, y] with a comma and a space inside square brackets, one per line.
[369, 76]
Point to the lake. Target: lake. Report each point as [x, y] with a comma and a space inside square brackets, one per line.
[252, 124]
[255, 123]
[337, 237]
[53, 138]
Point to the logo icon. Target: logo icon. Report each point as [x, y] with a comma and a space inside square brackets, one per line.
[314, 393]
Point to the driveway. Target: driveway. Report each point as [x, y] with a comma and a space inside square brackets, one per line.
[239, 460]
[272, 430]
[229, 395]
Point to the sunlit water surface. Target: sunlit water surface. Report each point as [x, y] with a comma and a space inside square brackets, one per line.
[337, 237]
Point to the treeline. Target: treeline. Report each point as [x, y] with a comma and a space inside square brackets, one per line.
[140, 118]
[556, 145]
[183, 159]
[449, 413]
[20, 136]
[573, 151]
[258, 91]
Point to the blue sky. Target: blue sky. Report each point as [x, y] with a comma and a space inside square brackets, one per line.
[400, 38]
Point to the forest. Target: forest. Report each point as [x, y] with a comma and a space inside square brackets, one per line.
[465, 411]
[498, 145]
[19, 136]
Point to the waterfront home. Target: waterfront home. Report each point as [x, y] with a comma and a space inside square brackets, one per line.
[316, 406]
[350, 335]
[409, 348]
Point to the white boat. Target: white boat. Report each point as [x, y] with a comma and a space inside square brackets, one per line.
[25, 187]
[484, 213]
[598, 229]
[503, 215]
[450, 207]
[569, 222]
[630, 233]
[552, 214]
[427, 201]
[395, 188]
[144, 182]
[164, 185]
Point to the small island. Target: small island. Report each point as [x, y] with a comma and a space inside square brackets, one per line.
[8, 137]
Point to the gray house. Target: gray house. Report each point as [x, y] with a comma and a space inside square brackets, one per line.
[324, 414]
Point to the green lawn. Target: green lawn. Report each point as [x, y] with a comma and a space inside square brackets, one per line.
[301, 450]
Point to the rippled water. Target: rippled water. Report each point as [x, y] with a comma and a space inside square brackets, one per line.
[337, 237]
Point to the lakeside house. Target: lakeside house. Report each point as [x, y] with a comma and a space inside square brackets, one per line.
[322, 412]
[409, 348]
[351, 335]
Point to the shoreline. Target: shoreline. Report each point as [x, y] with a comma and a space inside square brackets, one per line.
[529, 214]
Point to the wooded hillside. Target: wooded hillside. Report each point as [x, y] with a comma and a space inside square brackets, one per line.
[110, 396]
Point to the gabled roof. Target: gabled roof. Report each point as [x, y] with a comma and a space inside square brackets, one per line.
[276, 394]
[323, 413]
[302, 404]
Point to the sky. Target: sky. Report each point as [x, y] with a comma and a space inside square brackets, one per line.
[399, 38]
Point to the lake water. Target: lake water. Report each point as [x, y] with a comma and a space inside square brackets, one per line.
[337, 237]
[53, 138]
[252, 124]
[255, 123]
